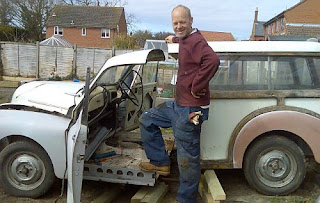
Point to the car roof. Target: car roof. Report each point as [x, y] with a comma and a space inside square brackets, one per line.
[258, 47]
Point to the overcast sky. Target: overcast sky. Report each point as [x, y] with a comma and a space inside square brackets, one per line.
[234, 16]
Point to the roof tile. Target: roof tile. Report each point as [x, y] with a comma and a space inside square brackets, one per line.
[85, 16]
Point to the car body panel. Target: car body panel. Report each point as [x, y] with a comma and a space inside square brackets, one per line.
[214, 137]
[46, 129]
[54, 96]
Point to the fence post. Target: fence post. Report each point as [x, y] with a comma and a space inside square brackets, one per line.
[113, 53]
[94, 58]
[1, 65]
[37, 59]
[18, 59]
[74, 62]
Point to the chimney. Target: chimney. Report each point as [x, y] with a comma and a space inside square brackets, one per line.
[256, 15]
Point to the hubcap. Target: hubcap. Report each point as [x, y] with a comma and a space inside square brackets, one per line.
[25, 171]
[276, 168]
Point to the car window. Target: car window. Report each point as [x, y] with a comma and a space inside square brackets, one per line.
[150, 72]
[266, 73]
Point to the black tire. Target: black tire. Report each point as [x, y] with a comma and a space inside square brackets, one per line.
[25, 170]
[275, 165]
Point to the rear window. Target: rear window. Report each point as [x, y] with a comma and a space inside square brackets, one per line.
[266, 73]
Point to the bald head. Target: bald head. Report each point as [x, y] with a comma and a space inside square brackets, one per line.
[183, 9]
[181, 21]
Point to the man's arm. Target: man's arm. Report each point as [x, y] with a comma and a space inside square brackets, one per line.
[209, 63]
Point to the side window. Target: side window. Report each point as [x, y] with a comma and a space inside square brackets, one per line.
[150, 71]
[263, 73]
[290, 73]
[241, 73]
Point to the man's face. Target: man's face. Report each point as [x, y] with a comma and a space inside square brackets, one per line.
[181, 22]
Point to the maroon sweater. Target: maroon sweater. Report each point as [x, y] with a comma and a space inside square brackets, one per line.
[197, 65]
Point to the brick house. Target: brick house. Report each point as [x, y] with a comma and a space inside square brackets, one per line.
[301, 21]
[87, 26]
[217, 36]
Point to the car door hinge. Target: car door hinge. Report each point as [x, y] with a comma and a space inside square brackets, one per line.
[80, 157]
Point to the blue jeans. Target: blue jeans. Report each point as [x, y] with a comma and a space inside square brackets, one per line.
[187, 139]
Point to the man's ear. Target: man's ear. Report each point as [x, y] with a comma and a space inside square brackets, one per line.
[191, 20]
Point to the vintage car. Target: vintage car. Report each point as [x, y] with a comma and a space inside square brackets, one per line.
[40, 127]
[264, 118]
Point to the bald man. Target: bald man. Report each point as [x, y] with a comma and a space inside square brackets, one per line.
[197, 65]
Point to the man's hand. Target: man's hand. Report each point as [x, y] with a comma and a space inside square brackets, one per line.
[194, 117]
[169, 39]
[201, 93]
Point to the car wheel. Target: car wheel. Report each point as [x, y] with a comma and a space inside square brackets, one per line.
[25, 170]
[275, 165]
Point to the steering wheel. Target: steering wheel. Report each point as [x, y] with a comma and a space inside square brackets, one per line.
[124, 87]
[131, 95]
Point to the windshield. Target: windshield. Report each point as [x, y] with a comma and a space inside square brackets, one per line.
[112, 75]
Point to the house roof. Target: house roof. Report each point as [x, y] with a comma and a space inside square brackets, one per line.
[259, 30]
[298, 29]
[217, 36]
[85, 16]
[291, 38]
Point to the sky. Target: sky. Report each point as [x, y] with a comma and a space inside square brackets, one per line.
[234, 16]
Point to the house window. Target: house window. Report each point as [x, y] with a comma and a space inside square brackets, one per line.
[105, 33]
[84, 31]
[58, 30]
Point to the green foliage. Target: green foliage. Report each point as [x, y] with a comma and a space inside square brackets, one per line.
[126, 42]
[11, 33]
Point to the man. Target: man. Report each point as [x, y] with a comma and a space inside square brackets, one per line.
[197, 65]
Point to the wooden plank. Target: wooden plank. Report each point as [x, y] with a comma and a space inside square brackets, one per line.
[214, 185]
[157, 194]
[140, 194]
[108, 195]
[203, 191]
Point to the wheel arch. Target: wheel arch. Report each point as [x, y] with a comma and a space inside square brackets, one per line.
[14, 138]
[289, 135]
[300, 127]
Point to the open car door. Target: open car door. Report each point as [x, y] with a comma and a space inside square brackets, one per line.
[77, 137]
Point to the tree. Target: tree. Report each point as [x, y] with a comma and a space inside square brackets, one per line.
[110, 3]
[32, 15]
[161, 35]
[5, 12]
[141, 36]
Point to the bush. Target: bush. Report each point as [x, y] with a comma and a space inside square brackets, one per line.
[126, 42]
